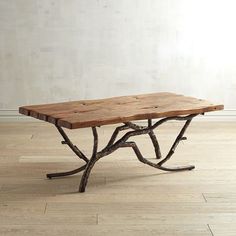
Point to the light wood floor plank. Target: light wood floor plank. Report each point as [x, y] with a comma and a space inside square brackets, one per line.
[220, 197]
[223, 229]
[35, 219]
[19, 208]
[72, 208]
[122, 230]
[175, 219]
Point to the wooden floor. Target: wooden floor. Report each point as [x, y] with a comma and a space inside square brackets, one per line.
[124, 196]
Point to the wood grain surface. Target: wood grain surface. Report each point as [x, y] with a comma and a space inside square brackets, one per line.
[88, 113]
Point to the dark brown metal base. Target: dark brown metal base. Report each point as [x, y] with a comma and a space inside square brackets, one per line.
[113, 145]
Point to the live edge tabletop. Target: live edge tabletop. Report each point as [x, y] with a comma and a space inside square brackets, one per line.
[94, 113]
[89, 113]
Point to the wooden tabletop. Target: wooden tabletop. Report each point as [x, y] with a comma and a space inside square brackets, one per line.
[88, 113]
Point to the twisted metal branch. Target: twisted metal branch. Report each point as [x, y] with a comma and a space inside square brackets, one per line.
[114, 144]
[75, 150]
[155, 144]
[157, 165]
[176, 142]
[71, 145]
[170, 153]
[151, 135]
[115, 134]
[62, 174]
[91, 163]
[108, 150]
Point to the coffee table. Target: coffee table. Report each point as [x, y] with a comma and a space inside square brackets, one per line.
[162, 107]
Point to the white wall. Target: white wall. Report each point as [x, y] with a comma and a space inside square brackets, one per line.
[59, 50]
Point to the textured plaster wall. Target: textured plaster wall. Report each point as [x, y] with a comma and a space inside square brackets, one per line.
[59, 50]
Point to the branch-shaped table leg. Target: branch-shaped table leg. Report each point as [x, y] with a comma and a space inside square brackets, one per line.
[155, 165]
[170, 153]
[62, 174]
[151, 135]
[75, 150]
[177, 140]
[114, 144]
[91, 162]
[155, 144]
[115, 134]
[71, 145]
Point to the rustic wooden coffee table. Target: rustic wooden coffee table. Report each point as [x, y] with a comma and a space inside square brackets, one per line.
[95, 113]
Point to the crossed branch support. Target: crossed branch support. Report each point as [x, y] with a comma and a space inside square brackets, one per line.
[114, 144]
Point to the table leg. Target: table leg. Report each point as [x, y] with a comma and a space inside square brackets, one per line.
[62, 174]
[122, 142]
[91, 163]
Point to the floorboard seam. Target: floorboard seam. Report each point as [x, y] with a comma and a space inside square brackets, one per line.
[204, 197]
[45, 208]
[210, 229]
